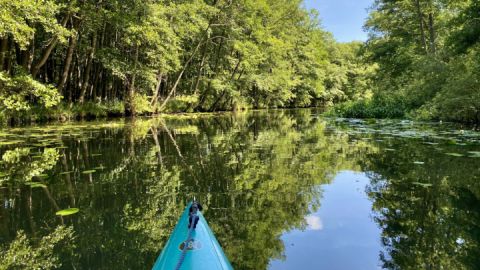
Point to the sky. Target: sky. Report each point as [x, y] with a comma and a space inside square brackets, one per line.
[344, 18]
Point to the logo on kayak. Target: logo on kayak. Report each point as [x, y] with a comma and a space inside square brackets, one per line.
[191, 245]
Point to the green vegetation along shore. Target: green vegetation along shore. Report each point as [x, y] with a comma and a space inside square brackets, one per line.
[84, 59]
[68, 59]
[428, 57]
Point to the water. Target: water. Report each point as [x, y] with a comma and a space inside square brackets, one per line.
[281, 190]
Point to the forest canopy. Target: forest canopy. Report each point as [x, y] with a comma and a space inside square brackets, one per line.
[64, 59]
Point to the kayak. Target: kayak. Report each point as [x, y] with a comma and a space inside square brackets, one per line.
[192, 248]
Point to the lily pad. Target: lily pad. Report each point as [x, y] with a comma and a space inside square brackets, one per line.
[425, 185]
[67, 212]
[454, 154]
[431, 143]
[37, 185]
[10, 142]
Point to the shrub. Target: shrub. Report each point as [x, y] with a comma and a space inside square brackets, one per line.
[21, 91]
[182, 103]
[380, 106]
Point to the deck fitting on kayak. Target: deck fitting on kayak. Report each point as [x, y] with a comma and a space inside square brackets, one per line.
[206, 253]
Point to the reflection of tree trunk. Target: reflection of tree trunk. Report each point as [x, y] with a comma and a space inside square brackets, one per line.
[30, 215]
[173, 141]
[131, 152]
[159, 149]
[68, 179]
[179, 152]
[86, 160]
[54, 203]
[131, 145]
[199, 150]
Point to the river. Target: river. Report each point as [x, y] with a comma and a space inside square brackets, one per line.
[284, 189]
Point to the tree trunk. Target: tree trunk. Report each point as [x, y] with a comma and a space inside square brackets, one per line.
[88, 69]
[68, 62]
[199, 73]
[422, 28]
[3, 52]
[130, 106]
[203, 98]
[431, 28]
[174, 87]
[53, 42]
[154, 100]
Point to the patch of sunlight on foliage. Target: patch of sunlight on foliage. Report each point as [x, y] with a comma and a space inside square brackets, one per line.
[142, 104]
[16, 92]
[190, 129]
[21, 167]
[30, 253]
[182, 103]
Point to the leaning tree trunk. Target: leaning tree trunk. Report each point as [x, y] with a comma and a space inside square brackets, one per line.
[174, 87]
[154, 100]
[68, 62]
[53, 42]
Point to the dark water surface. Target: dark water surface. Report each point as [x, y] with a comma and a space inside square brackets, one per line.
[281, 190]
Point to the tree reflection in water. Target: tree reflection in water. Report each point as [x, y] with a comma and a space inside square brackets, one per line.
[258, 175]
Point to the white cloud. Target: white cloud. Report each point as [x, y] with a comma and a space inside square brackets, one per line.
[314, 223]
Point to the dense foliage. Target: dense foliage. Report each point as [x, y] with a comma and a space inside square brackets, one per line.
[428, 54]
[135, 57]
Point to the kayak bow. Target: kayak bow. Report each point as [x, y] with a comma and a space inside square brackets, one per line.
[202, 251]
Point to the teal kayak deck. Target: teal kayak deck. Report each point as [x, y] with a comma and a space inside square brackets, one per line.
[203, 252]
